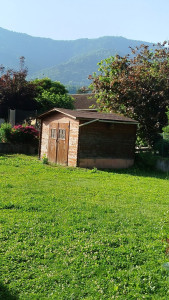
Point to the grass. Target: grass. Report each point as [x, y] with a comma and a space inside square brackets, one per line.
[71, 233]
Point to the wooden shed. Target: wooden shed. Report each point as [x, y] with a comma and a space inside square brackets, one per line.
[87, 139]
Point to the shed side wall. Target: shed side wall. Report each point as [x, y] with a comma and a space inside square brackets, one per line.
[106, 145]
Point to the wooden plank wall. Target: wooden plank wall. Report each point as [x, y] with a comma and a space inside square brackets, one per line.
[107, 140]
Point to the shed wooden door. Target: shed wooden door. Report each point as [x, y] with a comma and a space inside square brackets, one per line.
[62, 143]
[52, 143]
[58, 143]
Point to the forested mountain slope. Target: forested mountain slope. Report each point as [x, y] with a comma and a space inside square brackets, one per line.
[69, 62]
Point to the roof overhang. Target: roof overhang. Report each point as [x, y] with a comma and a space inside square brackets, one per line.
[55, 110]
[87, 119]
[106, 121]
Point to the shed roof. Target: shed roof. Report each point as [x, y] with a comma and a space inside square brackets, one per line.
[88, 115]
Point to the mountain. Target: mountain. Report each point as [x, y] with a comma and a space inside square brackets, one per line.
[69, 62]
[76, 70]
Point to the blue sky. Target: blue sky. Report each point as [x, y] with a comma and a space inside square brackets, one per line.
[145, 20]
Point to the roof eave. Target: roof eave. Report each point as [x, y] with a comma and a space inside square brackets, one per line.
[85, 118]
[110, 121]
[55, 110]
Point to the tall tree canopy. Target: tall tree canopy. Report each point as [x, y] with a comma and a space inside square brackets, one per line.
[136, 85]
[51, 94]
[51, 86]
[15, 91]
[41, 94]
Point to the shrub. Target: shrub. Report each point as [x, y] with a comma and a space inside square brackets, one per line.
[166, 128]
[44, 159]
[24, 134]
[146, 161]
[19, 134]
[5, 132]
[162, 146]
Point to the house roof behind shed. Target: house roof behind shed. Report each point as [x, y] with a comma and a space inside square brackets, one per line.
[84, 101]
[88, 115]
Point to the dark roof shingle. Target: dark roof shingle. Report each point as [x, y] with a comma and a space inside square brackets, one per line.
[88, 115]
[84, 101]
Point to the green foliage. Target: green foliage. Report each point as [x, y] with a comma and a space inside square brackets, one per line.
[166, 132]
[25, 135]
[5, 294]
[146, 161]
[94, 170]
[44, 159]
[52, 94]
[70, 233]
[140, 142]
[49, 100]
[19, 134]
[166, 266]
[5, 132]
[84, 90]
[162, 146]
[166, 128]
[53, 87]
[136, 86]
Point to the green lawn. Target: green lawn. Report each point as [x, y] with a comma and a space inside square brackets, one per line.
[71, 233]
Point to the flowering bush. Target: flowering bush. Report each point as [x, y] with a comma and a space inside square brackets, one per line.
[24, 134]
[19, 134]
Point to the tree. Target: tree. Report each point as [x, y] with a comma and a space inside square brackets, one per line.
[84, 90]
[166, 128]
[15, 91]
[136, 85]
[47, 84]
[51, 94]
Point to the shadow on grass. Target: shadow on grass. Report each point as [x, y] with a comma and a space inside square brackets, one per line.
[143, 172]
[5, 294]
[12, 155]
[145, 166]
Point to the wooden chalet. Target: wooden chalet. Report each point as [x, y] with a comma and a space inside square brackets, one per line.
[87, 139]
